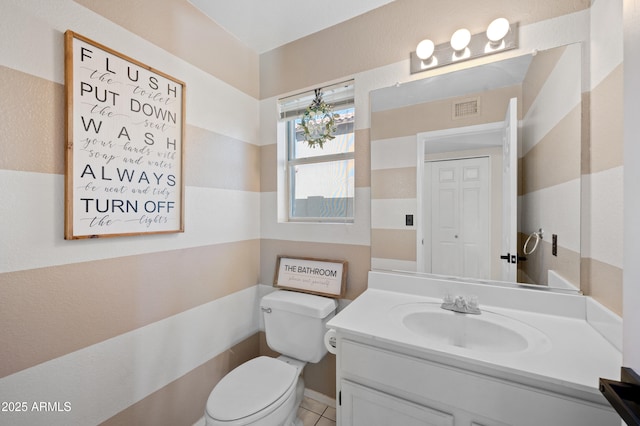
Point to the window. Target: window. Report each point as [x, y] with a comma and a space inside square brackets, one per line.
[320, 181]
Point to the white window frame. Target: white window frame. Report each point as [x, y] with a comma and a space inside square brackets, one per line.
[296, 105]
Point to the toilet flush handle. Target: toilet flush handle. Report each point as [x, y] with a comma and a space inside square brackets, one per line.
[265, 310]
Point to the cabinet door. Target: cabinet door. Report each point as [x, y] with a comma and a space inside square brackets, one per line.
[362, 406]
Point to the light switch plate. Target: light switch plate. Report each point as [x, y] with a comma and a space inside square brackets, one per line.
[408, 220]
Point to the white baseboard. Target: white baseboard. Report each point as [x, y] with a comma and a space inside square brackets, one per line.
[317, 396]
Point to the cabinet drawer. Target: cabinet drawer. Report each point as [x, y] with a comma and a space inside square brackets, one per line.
[402, 373]
[362, 406]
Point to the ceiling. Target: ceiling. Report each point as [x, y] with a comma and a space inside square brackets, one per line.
[264, 25]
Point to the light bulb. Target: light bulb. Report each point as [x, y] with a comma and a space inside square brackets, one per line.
[460, 39]
[424, 50]
[497, 29]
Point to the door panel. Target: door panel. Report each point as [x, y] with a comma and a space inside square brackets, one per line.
[459, 218]
[510, 190]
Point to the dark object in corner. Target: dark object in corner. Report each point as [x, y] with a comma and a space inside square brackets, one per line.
[408, 219]
[624, 396]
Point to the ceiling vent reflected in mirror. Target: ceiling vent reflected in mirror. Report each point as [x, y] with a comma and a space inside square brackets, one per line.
[464, 108]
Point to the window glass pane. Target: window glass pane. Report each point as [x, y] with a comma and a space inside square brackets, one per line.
[321, 180]
[344, 138]
[322, 189]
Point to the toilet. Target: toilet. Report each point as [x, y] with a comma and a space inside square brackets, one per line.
[267, 391]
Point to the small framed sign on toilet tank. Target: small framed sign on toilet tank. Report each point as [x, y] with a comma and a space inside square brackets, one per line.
[308, 275]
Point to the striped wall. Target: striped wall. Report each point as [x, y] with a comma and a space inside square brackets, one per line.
[374, 65]
[386, 35]
[550, 164]
[129, 330]
[285, 71]
[602, 181]
[373, 49]
[138, 330]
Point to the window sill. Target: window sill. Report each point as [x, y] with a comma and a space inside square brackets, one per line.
[321, 221]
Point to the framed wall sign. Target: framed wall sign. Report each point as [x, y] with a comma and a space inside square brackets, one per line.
[124, 144]
[316, 276]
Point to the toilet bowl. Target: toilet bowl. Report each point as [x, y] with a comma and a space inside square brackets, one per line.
[267, 391]
[263, 391]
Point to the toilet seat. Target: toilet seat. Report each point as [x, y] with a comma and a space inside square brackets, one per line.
[252, 391]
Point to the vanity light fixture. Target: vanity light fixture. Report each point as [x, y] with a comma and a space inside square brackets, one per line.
[459, 42]
[500, 36]
[424, 51]
[497, 30]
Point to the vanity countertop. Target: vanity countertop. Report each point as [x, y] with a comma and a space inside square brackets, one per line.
[577, 357]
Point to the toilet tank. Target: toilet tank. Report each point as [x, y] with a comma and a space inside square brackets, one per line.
[295, 323]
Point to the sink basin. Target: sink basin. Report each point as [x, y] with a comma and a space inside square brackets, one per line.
[488, 332]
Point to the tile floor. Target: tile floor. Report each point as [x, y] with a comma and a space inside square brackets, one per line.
[314, 413]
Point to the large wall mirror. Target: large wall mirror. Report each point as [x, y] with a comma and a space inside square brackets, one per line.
[476, 173]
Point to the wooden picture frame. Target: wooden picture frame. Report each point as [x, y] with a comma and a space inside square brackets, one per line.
[308, 275]
[124, 131]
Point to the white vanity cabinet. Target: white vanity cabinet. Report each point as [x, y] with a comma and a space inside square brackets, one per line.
[384, 387]
[392, 373]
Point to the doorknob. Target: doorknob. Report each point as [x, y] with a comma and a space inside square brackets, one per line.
[512, 258]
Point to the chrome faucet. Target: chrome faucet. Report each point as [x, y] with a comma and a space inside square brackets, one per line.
[461, 305]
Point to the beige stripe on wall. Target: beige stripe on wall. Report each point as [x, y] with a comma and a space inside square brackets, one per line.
[32, 124]
[363, 158]
[181, 29]
[585, 134]
[603, 282]
[60, 309]
[214, 160]
[268, 168]
[541, 67]
[397, 244]
[556, 158]
[358, 258]
[211, 160]
[606, 122]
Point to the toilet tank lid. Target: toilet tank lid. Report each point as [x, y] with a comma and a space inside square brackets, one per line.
[300, 303]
